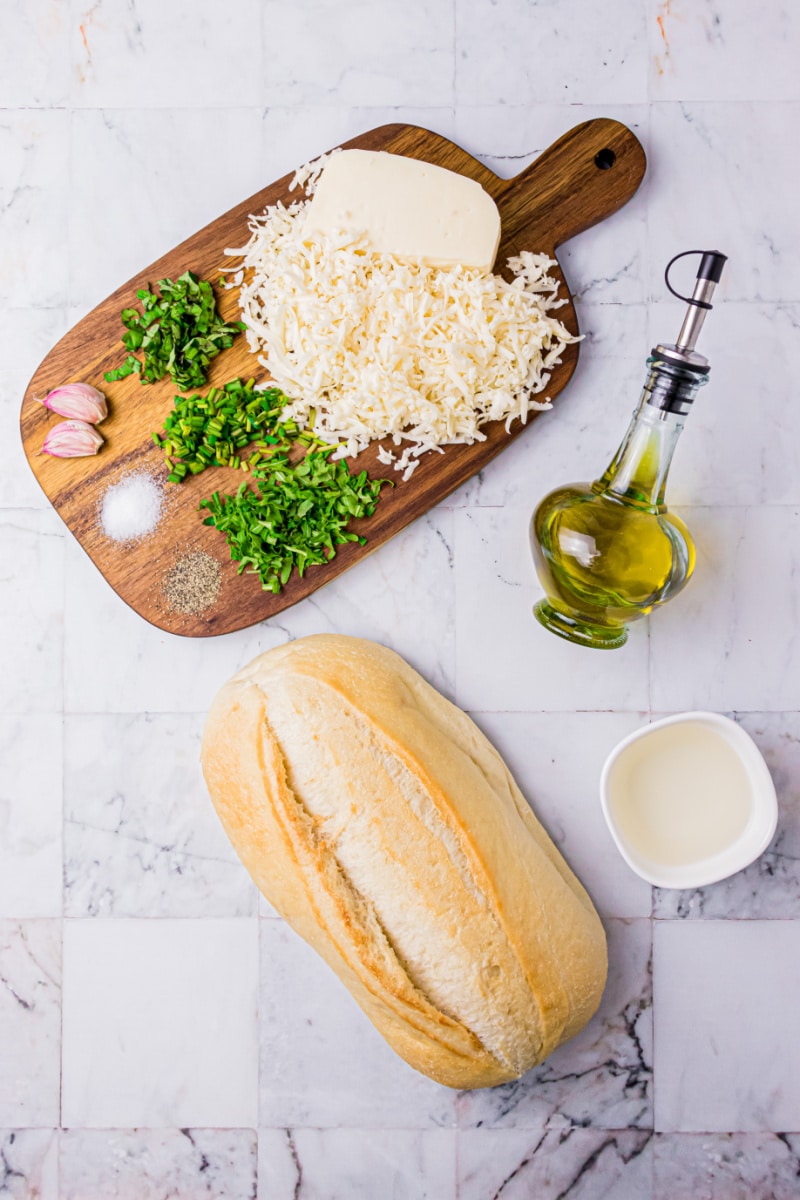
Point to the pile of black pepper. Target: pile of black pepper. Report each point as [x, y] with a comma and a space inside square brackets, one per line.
[192, 585]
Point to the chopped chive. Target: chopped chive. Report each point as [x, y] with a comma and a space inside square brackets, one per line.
[213, 430]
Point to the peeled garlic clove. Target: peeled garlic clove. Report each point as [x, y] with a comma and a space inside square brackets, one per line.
[79, 400]
[72, 439]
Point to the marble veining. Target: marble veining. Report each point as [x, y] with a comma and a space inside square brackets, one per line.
[34, 81]
[721, 1166]
[151, 671]
[29, 1164]
[30, 1022]
[747, 207]
[604, 1076]
[140, 838]
[151, 1164]
[339, 1164]
[578, 1164]
[134, 667]
[321, 125]
[695, 46]
[162, 1032]
[769, 887]
[34, 150]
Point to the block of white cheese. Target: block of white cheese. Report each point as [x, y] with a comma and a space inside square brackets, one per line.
[408, 208]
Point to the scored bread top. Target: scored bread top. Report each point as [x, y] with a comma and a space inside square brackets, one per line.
[383, 825]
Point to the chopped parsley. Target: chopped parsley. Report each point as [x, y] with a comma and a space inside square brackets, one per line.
[294, 517]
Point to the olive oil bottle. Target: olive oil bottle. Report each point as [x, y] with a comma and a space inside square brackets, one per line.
[609, 552]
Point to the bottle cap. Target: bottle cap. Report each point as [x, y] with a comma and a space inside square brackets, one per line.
[689, 359]
[673, 387]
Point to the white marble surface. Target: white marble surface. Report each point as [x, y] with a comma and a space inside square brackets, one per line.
[30, 816]
[151, 1164]
[30, 1020]
[732, 641]
[29, 1164]
[740, 1062]
[341, 1163]
[162, 1033]
[726, 1166]
[579, 1163]
[140, 838]
[160, 1023]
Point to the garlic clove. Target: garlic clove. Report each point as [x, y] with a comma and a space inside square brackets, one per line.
[79, 400]
[72, 439]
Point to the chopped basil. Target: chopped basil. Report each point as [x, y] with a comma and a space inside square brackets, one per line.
[177, 332]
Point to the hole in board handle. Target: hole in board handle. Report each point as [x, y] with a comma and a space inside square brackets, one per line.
[604, 159]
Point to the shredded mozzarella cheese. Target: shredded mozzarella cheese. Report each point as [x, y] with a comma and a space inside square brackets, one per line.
[307, 176]
[368, 346]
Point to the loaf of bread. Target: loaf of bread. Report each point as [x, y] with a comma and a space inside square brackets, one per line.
[380, 822]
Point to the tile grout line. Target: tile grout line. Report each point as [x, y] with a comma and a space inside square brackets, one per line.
[63, 806]
[653, 998]
[61, 941]
[648, 301]
[455, 607]
[260, 106]
[69, 290]
[454, 94]
[258, 1041]
[457, 1153]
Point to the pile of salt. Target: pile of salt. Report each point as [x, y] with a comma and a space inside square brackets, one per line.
[132, 508]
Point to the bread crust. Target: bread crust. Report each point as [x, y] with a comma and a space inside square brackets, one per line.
[387, 830]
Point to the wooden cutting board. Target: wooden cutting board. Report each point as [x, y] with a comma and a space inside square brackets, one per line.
[585, 176]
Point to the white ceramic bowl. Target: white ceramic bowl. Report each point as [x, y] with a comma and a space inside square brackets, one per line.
[742, 850]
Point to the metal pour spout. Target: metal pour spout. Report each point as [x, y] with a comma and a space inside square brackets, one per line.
[683, 352]
[708, 276]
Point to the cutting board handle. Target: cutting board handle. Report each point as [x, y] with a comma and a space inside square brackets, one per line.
[584, 177]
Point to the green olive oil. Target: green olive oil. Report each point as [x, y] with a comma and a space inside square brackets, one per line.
[609, 552]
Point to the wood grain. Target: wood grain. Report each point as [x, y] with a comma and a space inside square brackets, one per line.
[565, 191]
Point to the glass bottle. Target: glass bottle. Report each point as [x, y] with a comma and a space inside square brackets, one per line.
[609, 552]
